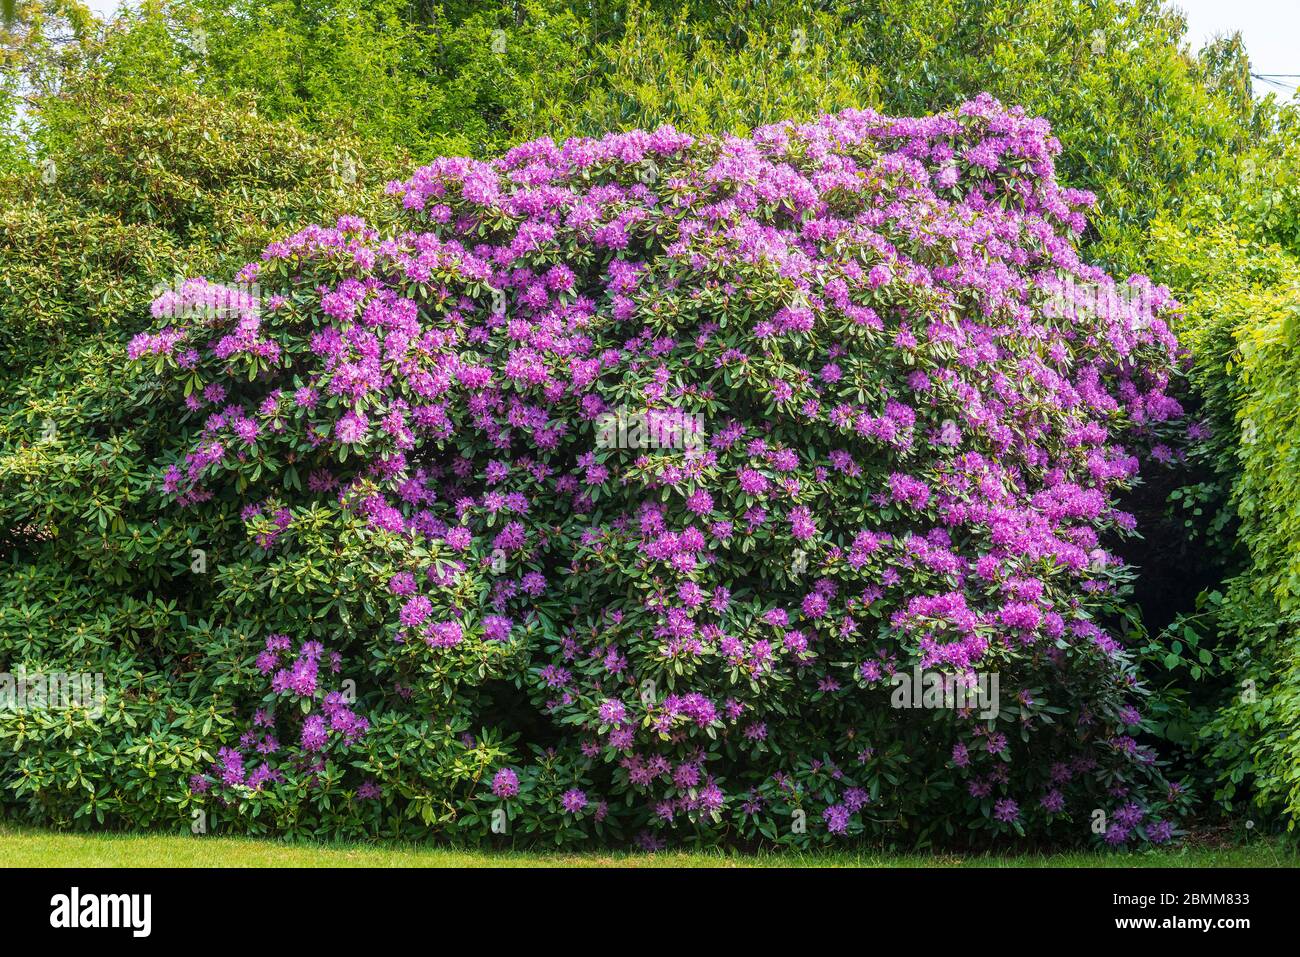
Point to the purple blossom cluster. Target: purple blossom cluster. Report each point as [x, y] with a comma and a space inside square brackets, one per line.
[907, 458]
[327, 726]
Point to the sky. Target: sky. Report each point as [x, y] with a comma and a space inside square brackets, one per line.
[1270, 29]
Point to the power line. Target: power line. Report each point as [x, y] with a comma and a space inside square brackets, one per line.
[1267, 78]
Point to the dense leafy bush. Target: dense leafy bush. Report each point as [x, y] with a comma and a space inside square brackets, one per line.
[1238, 644]
[1253, 737]
[446, 77]
[137, 189]
[1144, 125]
[1270, 200]
[720, 70]
[436, 592]
[92, 578]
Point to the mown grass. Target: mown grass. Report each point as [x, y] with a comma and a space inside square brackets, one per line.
[25, 847]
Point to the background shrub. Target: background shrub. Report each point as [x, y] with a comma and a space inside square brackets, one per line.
[147, 185]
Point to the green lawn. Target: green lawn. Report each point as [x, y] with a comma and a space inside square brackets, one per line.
[22, 847]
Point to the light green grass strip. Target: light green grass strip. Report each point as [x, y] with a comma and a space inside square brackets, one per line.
[22, 847]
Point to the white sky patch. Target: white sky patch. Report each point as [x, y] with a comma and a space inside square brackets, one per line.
[1269, 28]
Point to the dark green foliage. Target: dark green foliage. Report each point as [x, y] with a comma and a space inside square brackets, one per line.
[148, 185]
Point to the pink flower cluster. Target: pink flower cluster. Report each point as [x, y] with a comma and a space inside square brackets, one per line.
[907, 458]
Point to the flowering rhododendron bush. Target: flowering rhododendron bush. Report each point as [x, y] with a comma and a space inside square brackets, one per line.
[473, 605]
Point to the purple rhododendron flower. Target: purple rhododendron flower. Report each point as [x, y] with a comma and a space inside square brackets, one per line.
[656, 463]
[505, 783]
